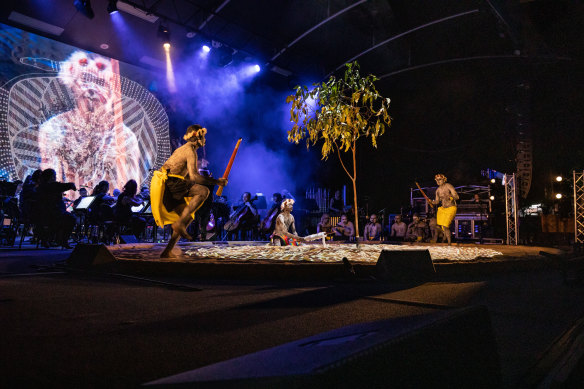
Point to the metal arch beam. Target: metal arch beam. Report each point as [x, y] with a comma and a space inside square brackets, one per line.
[450, 60]
[212, 15]
[474, 58]
[315, 27]
[402, 35]
[502, 20]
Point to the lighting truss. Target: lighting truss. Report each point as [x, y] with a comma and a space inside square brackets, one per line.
[578, 207]
[511, 209]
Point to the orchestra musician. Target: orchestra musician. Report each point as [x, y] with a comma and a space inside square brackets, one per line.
[123, 209]
[336, 204]
[269, 223]
[203, 215]
[244, 219]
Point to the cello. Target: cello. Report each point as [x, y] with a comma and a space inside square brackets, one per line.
[267, 225]
[237, 216]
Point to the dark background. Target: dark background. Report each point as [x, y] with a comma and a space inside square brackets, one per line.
[463, 77]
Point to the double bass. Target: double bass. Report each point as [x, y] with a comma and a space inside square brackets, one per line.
[237, 216]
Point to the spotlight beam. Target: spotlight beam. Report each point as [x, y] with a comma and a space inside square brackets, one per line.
[170, 81]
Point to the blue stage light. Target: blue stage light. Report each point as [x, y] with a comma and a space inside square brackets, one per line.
[257, 68]
[112, 7]
[206, 49]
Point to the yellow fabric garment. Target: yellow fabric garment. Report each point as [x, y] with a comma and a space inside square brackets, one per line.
[159, 211]
[445, 216]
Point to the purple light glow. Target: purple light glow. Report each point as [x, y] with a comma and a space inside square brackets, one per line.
[221, 100]
[125, 36]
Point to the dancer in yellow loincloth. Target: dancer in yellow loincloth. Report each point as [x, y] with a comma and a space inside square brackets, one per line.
[179, 189]
[445, 194]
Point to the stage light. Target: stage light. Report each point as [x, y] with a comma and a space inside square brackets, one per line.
[558, 196]
[492, 198]
[139, 13]
[164, 35]
[559, 178]
[206, 49]
[493, 180]
[257, 68]
[112, 7]
[166, 46]
[84, 6]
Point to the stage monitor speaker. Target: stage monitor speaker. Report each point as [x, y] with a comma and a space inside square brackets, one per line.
[405, 265]
[87, 255]
[446, 349]
[128, 239]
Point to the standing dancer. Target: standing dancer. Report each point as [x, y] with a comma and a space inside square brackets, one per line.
[184, 181]
[445, 194]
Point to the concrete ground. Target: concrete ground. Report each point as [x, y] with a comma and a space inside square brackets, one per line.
[91, 329]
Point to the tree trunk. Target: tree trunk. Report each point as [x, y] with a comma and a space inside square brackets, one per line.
[354, 179]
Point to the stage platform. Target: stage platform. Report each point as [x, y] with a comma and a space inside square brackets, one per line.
[259, 260]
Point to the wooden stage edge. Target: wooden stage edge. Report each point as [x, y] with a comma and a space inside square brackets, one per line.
[143, 259]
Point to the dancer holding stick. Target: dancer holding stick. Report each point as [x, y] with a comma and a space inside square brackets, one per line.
[185, 189]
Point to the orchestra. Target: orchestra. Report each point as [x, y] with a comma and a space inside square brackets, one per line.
[216, 219]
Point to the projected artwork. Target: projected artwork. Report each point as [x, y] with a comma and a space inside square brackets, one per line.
[78, 115]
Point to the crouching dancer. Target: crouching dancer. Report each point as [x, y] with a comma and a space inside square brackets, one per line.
[184, 181]
[285, 231]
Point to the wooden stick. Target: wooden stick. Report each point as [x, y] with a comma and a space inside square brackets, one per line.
[424, 194]
[228, 168]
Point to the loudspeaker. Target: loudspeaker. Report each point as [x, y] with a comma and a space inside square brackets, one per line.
[128, 239]
[404, 265]
[87, 255]
[446, 349]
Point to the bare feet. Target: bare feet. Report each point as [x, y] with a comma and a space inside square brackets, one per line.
[173, 252]
[180, 229]
[167, 254]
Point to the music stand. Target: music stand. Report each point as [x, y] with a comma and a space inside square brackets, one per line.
[140, 208]
[261, 202]
[85, 203]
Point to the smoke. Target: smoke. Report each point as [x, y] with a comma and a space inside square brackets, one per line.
[232, 103]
